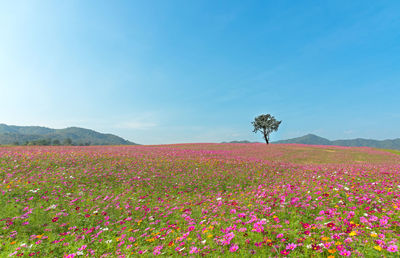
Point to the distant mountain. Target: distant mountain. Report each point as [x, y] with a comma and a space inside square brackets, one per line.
[359, 142]
[308, 139]
[37, 135]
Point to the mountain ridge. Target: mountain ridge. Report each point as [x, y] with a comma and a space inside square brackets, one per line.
[312, 139]
[40, 135]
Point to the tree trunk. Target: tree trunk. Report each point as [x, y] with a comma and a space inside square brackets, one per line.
[266, 137]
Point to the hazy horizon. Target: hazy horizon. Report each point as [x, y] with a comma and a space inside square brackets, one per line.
[174, 72]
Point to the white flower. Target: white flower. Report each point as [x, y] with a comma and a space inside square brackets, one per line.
[108, 241]
[79, 253]
[219, 198]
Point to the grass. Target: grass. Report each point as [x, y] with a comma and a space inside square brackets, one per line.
[392, 151]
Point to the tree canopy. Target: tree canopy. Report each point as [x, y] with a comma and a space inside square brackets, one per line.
[266, 124]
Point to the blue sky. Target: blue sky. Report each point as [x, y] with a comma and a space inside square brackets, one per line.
[158, 72]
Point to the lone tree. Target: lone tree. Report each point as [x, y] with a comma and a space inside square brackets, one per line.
[265, 124]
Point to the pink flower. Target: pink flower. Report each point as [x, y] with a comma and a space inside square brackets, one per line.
[157, 249]
[291, 246]
[242, 229]
[258, 228]
[345, 252]
[392, 248]
[234, 248]
[193, 250]
[82, 247]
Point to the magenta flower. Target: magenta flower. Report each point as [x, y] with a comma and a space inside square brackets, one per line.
[234, 248]
[345, 252]
[285, 252]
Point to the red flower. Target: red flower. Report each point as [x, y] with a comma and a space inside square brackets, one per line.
[330, 225]
[316, 247]
[305, 225]
[55, 219]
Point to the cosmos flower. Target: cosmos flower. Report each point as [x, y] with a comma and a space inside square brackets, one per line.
[234, 248]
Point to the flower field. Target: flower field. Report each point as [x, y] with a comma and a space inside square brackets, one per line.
[199, 200]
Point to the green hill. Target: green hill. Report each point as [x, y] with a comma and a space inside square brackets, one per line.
[359, 142]
[37, 135]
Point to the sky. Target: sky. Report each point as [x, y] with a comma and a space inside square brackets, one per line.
[159, 72]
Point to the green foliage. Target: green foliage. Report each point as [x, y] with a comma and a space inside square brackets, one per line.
[266, 124]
